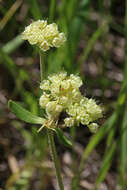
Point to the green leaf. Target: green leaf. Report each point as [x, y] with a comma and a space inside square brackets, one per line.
[85, 5]
[62, 138]
[92, 144]
[106, 163]
[35, 9]
[123, 150]
[12, 45]
[23, 114]
[92, 42]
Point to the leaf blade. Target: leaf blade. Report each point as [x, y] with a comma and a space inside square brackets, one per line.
[23, 114]
[106, 163]
[62, 138]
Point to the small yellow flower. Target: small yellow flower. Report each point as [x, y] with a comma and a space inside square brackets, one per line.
[69, 121]
[44, 45]
[43, 35]
[44, 99]
[45, 85]
[53, 109]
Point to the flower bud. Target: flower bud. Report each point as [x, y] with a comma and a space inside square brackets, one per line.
[65, 84]
[63, 100]
[51, 107]
[57, 41]
[45, 85]
[44, 46]
[69, 122]
[93, 127]
[58, 109]
[43, 101]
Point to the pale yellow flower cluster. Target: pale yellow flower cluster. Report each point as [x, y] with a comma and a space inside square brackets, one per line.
[61, 94]
[44, 35]
[85, 112]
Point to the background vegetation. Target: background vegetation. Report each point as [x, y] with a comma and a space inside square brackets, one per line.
[96, 49]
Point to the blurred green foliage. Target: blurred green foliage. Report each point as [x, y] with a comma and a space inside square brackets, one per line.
[96, 32]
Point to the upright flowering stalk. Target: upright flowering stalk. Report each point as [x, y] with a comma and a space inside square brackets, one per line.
[60, 93]
[45, 36]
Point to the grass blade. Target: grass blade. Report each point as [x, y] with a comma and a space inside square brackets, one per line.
[93, 142]
[10, 13]
[123, 151]
[12, 45]
[106, 163]
[91, 43]
[123, 147]
[52, 10]
[35, 9]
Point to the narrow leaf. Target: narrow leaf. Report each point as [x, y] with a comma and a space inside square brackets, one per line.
[91, 43]
[23, 114]
[35, 9]
[92, 144]
[106, 163]
[123, 148]
[62, 138]
[12, 45]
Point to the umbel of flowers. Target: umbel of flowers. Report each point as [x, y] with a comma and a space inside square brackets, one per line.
[43, 35]
[61, 94]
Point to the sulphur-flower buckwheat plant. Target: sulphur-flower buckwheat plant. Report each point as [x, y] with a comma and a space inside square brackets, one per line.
[44, 35]
[61, 93]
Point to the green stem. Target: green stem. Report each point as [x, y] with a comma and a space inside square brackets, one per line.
[51, 135]
[54, 157]
[73, 135]
[42, 67]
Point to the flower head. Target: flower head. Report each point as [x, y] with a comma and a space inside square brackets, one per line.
[61, 94]
[43, 35]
